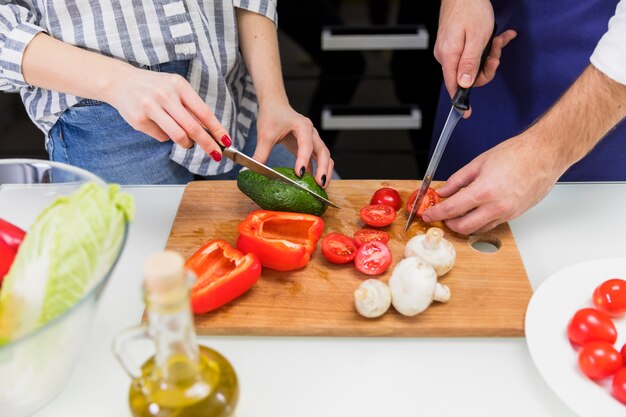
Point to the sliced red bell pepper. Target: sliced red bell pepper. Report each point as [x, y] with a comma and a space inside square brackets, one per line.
[222, 274]
[11, 238]
[282, 241]
[11, 234]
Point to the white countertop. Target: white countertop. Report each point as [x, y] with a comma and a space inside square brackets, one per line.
[315, 376]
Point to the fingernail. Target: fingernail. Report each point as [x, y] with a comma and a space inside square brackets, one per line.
[216, 156]
[226, 141]
[323, 180]
[465, 80]
[302, 171]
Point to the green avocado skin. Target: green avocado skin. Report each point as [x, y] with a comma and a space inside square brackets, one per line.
[279, 196]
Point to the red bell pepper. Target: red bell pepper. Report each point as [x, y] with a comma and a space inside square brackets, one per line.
[282, 241]
[11, 237]
[222, 274]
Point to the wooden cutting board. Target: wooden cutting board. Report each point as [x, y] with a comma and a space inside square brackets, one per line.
[490, 291]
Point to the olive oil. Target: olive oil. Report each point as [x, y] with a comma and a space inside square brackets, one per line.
[207, 389]
[182, 379]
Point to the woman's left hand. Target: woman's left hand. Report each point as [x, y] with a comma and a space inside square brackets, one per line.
[279, 122]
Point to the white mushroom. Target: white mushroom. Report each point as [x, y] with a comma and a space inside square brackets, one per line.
[414, 286]
[432, 248]
[372, 298]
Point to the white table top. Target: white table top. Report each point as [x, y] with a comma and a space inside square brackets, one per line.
[315, 376]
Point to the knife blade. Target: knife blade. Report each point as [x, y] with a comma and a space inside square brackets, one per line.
[460, 104]
[253, 165]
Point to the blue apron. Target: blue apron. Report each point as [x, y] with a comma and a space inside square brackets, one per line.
[554, 42]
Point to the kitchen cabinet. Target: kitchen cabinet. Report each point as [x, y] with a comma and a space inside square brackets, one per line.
[365, 74]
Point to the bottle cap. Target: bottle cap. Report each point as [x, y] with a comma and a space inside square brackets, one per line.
[164, 271]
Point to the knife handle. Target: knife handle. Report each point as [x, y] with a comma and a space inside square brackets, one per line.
[461, 97]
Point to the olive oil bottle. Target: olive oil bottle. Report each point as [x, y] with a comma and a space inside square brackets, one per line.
[182, 379]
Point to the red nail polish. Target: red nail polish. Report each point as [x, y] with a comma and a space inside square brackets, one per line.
[226, 141]
[216, 156]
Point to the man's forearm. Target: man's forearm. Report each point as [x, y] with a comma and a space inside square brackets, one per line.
[589, 109]
[259, 45]
[55, 65]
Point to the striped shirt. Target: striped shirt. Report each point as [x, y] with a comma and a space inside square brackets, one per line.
[144, 33]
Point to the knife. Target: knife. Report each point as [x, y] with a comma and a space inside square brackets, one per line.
[460, 104]
[253, 165]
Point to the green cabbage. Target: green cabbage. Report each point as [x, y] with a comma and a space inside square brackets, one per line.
[70, 247]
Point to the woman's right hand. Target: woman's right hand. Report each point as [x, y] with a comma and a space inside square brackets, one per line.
[165, 106]
[464, 30]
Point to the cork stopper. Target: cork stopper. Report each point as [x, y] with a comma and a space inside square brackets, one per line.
[163, 272]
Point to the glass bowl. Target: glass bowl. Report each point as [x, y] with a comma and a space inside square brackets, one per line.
[35, 367]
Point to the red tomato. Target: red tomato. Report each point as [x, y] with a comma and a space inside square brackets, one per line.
[338, 248]
[619, 385]
[610, 297]
[599, 360]
[590, 325]
[378, 215]
[623, 352]
[373, 258]
[7, 254]
[362, 236]
[430, 199]
[387, 196]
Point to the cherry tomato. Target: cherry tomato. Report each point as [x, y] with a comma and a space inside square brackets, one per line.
[338, 248]
[590, 325]
[623, 352]
[599, 360]
[430, 199]
[362, 236]
[373, 258]
[619, 385]
[387, 196]
[378, 215]
[610, 297]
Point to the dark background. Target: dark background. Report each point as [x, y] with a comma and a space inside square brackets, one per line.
[315, 79]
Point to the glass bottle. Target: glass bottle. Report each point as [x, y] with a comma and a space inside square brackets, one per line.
[182, 379]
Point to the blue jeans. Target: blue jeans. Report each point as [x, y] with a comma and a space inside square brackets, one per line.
[92, 135]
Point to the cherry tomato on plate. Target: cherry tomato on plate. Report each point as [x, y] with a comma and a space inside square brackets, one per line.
[363, 236]
[338, 248]
[590, 325]
[610, 297]
[387, 196]
[599, 360]
[373, 258]
[430, 199]
[378, 215]
[619, 385]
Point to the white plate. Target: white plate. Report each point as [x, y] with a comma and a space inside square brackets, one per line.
[547, 316]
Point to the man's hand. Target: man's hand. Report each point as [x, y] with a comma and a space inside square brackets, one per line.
[503, 182]
[497, 186]
[464, 30]
[279, 122]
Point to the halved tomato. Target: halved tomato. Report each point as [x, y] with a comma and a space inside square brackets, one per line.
[378, 215]
[338, 248]
[373, 258]
[363, 236]
[430, 199]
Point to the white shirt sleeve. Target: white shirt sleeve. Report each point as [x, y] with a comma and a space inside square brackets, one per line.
[610, 53]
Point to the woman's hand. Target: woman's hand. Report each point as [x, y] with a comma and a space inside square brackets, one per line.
[166, 107]
[464, 30]
[279, 122]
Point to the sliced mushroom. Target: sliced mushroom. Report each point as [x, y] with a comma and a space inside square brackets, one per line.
[433, 248]
[414, 286]
[372, 298]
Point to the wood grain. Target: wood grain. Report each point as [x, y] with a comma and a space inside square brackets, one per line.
[490, 291]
